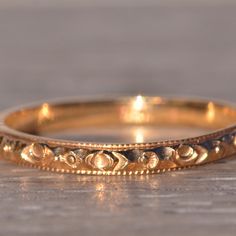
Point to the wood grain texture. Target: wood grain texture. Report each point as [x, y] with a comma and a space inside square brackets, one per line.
[75, 51]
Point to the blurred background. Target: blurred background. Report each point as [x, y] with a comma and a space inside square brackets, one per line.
[56, 48]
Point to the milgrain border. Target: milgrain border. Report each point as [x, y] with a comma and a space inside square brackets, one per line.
[7, 131]
[27, 138]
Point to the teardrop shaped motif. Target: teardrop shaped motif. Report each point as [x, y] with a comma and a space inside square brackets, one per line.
[99, 160]
[36, 153]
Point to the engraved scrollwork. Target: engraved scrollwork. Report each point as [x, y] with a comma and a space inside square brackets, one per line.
[217, 148]
[149, 159]
[122, 161]
[202, 154]
[189, 155]
[10, 148]
[99, 160]
[72, 159]
[168, 153]
[103, 161]
[37, 153]
[228, 144]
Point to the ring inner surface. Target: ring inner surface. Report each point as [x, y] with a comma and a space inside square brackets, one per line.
[135, 120]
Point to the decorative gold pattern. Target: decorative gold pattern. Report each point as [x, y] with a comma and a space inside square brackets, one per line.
[8, 146]
[188, 155]
[99, 160]
[168, 153]
[219, 148]
[72, 159]
[149, 159]
[37, 153]
[122, 161]
[115, 162]
[202, 154]
[117, 159]
[83, 161]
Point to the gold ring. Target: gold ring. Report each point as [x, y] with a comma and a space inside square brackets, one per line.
[24, 141]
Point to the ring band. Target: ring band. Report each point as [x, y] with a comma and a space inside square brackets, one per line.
[20, 139]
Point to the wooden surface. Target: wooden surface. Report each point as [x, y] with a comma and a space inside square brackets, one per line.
[64, 50]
